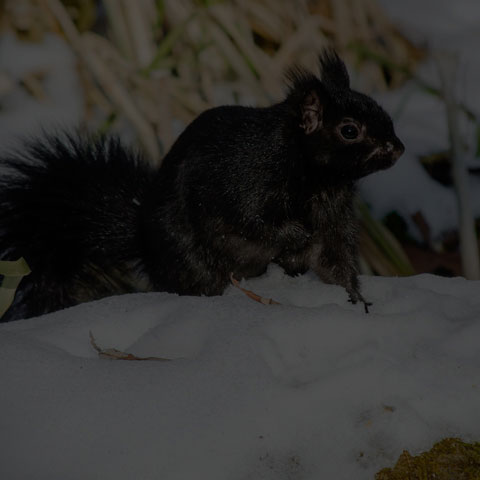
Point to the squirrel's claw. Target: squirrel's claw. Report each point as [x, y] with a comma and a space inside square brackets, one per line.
[366, 305]
[354, 298]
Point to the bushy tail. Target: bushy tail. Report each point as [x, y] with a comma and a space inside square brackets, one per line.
[71, 207]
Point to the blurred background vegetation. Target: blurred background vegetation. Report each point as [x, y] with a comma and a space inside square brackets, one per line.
[156, 64]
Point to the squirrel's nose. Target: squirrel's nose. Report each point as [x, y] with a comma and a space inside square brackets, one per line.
[396, 148]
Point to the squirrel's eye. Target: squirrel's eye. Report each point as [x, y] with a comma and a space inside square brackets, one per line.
[350, 131]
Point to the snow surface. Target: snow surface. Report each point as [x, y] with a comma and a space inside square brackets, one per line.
[20, 113]
[445, 28]
[310, 389]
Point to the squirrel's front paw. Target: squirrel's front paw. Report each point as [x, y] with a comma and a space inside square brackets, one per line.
[355, 297]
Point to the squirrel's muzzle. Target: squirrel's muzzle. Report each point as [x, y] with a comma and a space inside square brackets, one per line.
[395, 149]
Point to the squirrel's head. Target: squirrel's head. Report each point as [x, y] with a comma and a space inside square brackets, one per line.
[344, 132]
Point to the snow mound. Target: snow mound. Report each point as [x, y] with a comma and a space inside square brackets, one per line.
[312, 388]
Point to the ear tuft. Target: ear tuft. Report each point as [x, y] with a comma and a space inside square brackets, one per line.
[334, 73]
[300, 80]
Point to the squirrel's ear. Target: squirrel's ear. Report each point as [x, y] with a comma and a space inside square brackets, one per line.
[311, 113]
[305, 90]
[333, 70]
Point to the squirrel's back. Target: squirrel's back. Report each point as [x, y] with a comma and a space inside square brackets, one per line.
[70, 207]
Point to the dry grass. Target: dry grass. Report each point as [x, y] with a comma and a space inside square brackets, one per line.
[152, 61]
[159, 60]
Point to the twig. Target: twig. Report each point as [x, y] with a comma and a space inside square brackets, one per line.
[114, 354]
[252, 295]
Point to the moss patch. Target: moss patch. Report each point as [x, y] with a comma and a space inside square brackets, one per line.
[447, 460]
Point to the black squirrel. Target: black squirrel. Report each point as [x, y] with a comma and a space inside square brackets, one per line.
[240, 188]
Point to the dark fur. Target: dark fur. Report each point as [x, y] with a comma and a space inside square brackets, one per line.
[71, 208]
[241, 187]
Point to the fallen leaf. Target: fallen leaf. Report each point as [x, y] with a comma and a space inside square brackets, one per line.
[114, 354]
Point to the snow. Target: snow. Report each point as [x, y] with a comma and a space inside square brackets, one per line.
[312, 388]
[440, 22]
[21, 114]
[446, 28]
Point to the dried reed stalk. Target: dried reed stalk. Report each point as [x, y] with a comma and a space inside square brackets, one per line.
[86, 48]
[140, 32]
[448, 71]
